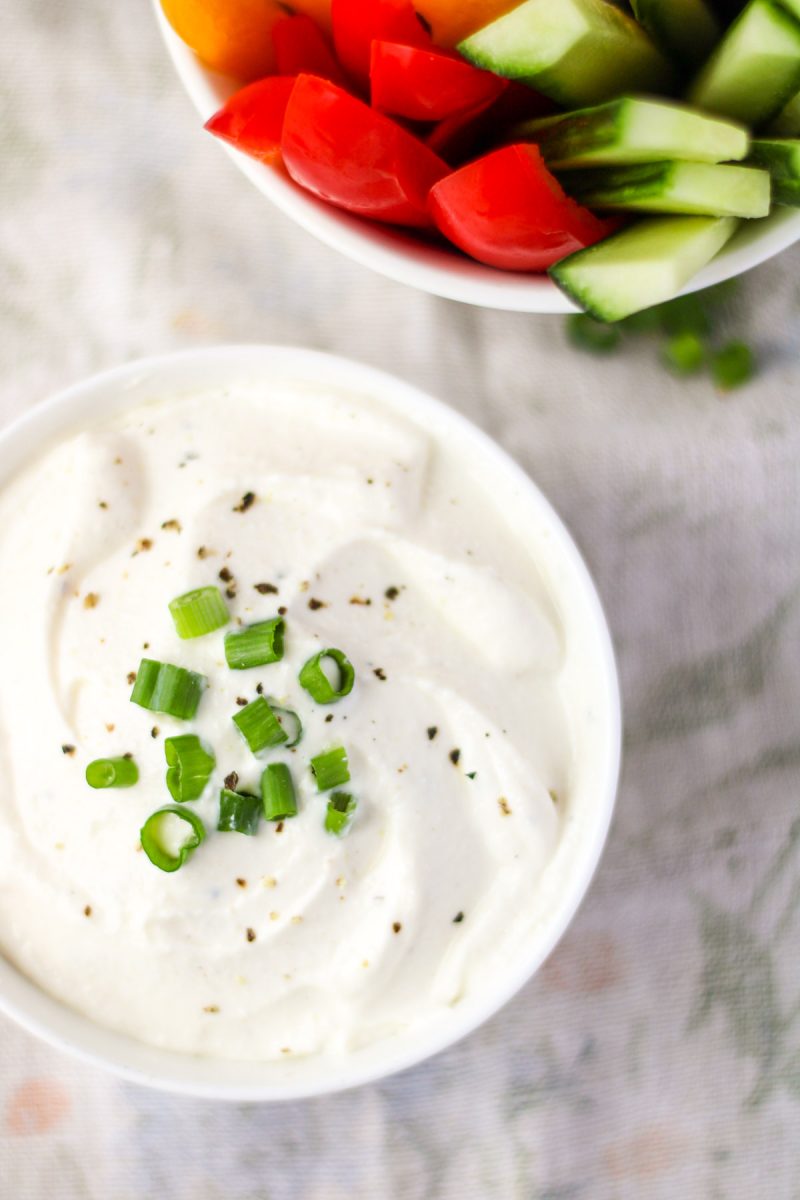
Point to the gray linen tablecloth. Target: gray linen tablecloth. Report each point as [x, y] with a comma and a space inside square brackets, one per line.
[657, 1055]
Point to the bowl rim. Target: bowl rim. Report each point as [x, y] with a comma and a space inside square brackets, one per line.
[51, 1020]
[433, 269]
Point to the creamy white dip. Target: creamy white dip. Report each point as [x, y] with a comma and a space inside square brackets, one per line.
[461, 727]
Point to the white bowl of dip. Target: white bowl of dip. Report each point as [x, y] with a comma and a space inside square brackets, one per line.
[436, 564]
[431, 267]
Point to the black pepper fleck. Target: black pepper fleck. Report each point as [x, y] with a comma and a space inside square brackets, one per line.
[266, 589]
[87, 912]
[230, 591]
[329, 717]
[67, 749]
[154, 732]
[173, 523]
[396, 926]
[260, 689]
[279, 827]
[458, 918]
[247, 501]
[242, 883]
[251, 935]
[282, 611]
[381, 674]
[231, 781]
[314, 604]
[225, 575]
[455, 755]
[240, 700]
[392, 593]
[432, 732]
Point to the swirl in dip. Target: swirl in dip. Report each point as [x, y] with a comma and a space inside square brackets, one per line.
[467, 730]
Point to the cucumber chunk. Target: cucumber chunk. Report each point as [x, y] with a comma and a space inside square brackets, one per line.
[646, 264]
[787, 122]
[781, 157]
[632, 130]
[755, 69]
[575, 51]
[673, 187]
[686, 29]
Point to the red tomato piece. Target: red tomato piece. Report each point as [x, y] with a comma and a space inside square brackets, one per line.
[357, 23]
[422, 84]
[301, 46]
[508, 211]
[252, 120]
[343, 151]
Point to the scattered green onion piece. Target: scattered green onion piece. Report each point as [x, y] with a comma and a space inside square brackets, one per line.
[239, 812]
[112, 773]
[330, 768]
[199, 612]
[290, 723]
[189, 767]
[733, 366]
[587, 333]
[318, 685]
[164, 851]
[256, 645]
[277, 793]
[164, 688]
[685, 314]
[684, 353]
[259, 726]
[341, 807]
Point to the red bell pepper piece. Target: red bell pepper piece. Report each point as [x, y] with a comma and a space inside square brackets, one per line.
[252, 120]
[508, 211]
[357, 23]
[301, 46]
[423, 84]
[342, 150]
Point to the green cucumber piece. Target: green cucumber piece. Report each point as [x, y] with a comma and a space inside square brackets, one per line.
[575, 51]
[698, 189]
[645, 264]
[781, 157]
[686, 29]
[634, 130]
[787, 122]
[755, 69]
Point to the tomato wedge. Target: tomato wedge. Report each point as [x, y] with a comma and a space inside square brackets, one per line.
[423, 84]
[252, 120]
[301, 46]
[357, 23]
[508, 211]
[343, 151]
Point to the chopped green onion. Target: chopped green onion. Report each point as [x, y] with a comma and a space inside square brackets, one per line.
[239, 812]
[112, 773]
[189, 767]
[165, 843]
[330, 768]
[319, 686]
[341, 807]
[259, 726]
[199, 612]
[685, 314]
[277, 793]
[684, 353]
[290, 722]
[733, 366]
[255, 646]
[587, 333]
[161, 687]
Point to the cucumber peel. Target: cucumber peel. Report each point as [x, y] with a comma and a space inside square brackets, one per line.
[700, 189]
[643, 265]
[575, 51]
[781, 157]
[686, 29]
[634, 130]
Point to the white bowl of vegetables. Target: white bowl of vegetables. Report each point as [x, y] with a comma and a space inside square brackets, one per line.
[574, 153]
